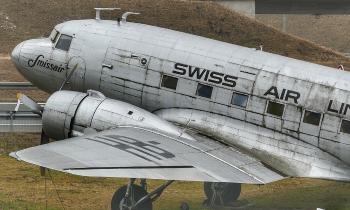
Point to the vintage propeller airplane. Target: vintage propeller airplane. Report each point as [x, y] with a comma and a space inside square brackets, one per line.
[146, 102]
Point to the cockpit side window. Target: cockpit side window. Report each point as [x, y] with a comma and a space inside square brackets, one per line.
[64, 42]
[54, 35]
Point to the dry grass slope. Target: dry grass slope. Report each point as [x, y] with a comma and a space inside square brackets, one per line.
[24, 19]
[328, 30]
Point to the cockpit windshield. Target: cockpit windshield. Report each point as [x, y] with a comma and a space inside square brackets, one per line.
[54, 35]
[64, 42]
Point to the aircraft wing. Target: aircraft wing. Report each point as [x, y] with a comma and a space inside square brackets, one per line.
[140, 153]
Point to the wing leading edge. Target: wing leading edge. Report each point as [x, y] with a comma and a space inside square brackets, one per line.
[141, 153]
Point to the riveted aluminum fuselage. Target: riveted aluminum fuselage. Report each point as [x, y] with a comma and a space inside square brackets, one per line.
[127, 61]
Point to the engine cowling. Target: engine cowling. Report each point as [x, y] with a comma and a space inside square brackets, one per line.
[68, 113]
[59, 112]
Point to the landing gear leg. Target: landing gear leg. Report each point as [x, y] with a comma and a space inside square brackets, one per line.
[135, 197]
[130, 195]
[143, 184]
[221, 194]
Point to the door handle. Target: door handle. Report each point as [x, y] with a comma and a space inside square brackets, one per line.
[109, 66]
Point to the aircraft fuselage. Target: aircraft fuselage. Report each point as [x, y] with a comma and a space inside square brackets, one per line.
[299, 110]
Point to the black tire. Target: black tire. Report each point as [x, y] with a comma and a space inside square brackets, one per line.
[230, 192]
[138, 193]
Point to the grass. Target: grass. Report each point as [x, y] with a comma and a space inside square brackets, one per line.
[75, 192]
[22, 187]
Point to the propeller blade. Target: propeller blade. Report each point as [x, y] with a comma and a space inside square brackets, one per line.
[17, 105]
[30, 103]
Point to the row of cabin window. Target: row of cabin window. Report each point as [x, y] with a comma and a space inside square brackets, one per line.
[310, 117]
[205, 91]
[241, 100]
[277, 109]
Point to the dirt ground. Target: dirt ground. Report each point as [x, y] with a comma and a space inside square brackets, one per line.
[8, 71]
[327, 30]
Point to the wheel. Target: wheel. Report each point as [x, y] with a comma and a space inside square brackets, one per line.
[137, 193]
[228, 192]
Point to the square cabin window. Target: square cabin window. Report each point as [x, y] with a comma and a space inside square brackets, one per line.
[275, 108]
[239, 100]
[64, 42]
[169, 82]
[345, 126]
[312, 118]
[204, 90]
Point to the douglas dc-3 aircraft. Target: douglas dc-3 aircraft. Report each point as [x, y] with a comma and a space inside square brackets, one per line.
[145, 102]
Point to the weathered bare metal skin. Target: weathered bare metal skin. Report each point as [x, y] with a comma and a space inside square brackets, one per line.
[127, 62]
[67, 112]
[285, 153]
[59, 112]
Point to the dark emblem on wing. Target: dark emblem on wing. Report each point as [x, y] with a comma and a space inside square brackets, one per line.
[145, 150]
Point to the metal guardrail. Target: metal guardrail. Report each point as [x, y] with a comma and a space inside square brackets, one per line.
[16, 85]
[22, 121]
[346, 55]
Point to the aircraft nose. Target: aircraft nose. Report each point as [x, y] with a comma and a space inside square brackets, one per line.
[15, 53]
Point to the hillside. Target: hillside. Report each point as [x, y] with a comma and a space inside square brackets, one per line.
[20, 20]
[328, 30]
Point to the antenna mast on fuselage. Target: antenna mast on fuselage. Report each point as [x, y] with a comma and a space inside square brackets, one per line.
[122, 19]
[98, 11]
[126, 14]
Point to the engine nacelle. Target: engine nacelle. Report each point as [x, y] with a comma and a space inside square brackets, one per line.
[68, 113]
